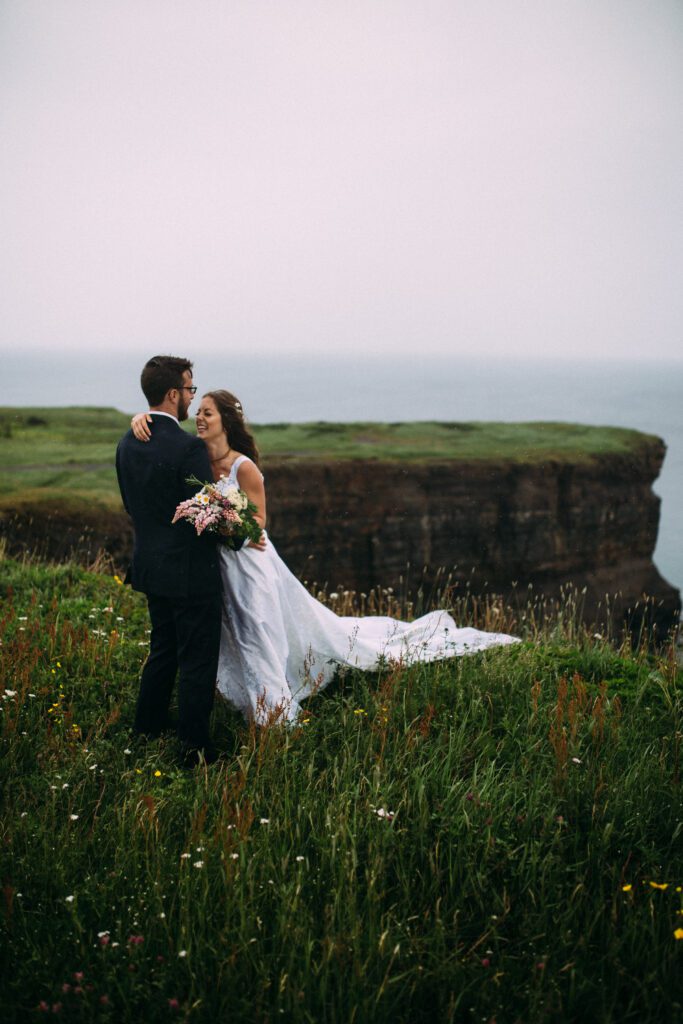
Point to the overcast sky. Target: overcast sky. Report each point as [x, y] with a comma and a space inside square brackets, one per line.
[437, 176]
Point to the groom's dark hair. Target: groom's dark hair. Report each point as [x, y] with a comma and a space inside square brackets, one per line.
[160, 374]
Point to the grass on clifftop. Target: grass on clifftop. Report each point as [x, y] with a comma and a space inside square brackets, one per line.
[490, 838]
[68, 454]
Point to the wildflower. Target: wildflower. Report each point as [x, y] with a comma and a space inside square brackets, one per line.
[10, 693]
[381, 813]
[576, 760]
[56, 1007]
[135, 940]
[678, 934]
[127, 751]
[78, 976]
[182, 953]
[74, 817]
[626, 888]
[198, 864]
[162, 915]
[659, 885]
[185, 856]
[43, 1006]
[69, 899]
[485, 962]
[300, 857]
[66, 987]
[107, 609]
[173, 1004]
[104, 939]
[234, 856]
[264, 821]
[157, 774]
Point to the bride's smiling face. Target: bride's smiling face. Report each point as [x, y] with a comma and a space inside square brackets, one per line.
[209, 423]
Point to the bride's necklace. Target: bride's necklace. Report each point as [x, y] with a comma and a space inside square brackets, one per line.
[221, 457]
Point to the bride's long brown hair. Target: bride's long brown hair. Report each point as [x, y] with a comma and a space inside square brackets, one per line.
[232, 417]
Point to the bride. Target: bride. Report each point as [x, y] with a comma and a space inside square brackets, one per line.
[279, 644]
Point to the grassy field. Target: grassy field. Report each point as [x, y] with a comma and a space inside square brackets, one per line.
[67, 455]
[493, 839]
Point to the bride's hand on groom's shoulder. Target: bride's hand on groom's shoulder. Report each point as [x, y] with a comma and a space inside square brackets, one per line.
[139, 426]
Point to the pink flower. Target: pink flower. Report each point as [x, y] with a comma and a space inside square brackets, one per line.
[43, 1006]
[66, 987]
[173, 1004]
[135, 940]
[486, 962]
[104, 940]
[78, 976]
[104, 1000]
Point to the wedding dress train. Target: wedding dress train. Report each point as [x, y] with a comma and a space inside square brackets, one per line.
[279, 644]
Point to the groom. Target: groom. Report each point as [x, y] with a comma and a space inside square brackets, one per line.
[177, 570]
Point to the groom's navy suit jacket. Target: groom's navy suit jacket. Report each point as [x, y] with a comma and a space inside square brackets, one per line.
[169, 560]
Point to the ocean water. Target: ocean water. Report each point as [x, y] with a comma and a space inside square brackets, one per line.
[275, 388]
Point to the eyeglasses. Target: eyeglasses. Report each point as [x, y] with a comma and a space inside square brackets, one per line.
[192, 388]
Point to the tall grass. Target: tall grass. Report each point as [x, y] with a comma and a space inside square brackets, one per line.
[491, 838]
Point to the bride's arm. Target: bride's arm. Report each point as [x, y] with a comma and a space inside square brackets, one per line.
[138, 425]
[251, 482]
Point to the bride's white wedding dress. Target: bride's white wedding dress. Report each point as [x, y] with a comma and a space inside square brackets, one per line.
[279, 645]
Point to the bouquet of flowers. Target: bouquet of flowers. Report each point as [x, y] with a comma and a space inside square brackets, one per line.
[229, 514]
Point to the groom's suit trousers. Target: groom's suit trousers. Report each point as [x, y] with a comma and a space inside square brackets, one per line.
[185, 640]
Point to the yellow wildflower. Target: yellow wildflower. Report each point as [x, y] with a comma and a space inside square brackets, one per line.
[157, 774]
[659, 885]
[626, 888]
[678, 934]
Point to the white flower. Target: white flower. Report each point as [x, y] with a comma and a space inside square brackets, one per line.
[70, 899]
[265, 821]
[576, 760]
[65, 785]
[381, 813]
[74, 817]
[198, 864]
[101, 934]
[234, 856]
[107, 609]
[300, 857]
[127, 751]
[185, 856]
[10, 693]
[183, 952]
[162, 914]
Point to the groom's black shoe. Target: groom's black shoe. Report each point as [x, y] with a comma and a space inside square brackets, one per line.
[195, 757]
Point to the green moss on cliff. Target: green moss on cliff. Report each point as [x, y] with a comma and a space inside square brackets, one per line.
[66, 455]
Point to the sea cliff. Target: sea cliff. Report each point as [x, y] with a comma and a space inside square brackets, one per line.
[497, 519]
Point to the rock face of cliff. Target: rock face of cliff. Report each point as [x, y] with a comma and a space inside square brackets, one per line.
[495, 525]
